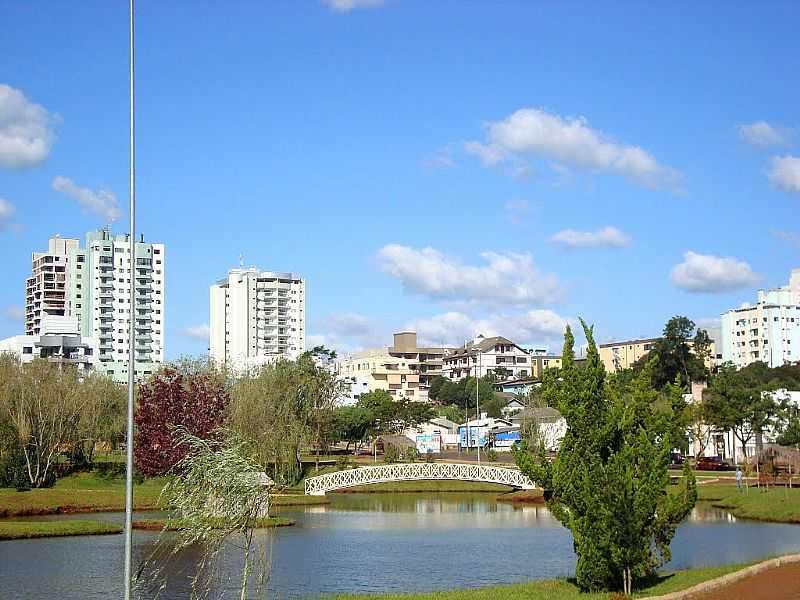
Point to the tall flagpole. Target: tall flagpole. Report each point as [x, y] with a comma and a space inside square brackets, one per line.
[131, 331]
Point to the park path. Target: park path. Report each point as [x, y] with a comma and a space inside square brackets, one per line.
[776, 583]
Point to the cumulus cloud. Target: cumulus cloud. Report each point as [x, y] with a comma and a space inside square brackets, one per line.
[609, 237]
[26, 134]
[6, 212]
[347, 332]
[532, 131]
[345, 6]
[706, 273]
[763, 135]
[506, 278]
[790, 237]
[197, 332]
[102, 202]
[441, 159]
[540, 327]
[14, 313]
[785, 173]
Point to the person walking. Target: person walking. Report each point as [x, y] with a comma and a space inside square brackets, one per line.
[738, 478]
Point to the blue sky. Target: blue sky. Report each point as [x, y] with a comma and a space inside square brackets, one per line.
[451, 166]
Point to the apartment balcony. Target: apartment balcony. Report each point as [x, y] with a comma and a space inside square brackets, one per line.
[143, 327]
[106, 326]
[144, 317]
[144, 286]
[106, 317]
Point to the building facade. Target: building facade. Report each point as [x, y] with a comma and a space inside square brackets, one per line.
[373, 370]
[482, 356]
[59, 341]
[47, 289]
[426, 361]
[257, 317]
[617, 356]
[93, 285]
[768, 331]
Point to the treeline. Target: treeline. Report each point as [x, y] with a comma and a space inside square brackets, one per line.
[52, 417]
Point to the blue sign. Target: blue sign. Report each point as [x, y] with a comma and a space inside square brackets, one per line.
[471, 438]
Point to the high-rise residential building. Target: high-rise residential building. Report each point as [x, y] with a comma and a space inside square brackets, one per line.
[257, 317]
[96, 289]
[46, 290]
[768, 331]
[483, 355]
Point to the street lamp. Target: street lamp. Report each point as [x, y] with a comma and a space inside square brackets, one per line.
[477, 406]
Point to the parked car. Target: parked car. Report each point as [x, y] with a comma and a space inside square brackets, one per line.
[711, 463]
[676, 459]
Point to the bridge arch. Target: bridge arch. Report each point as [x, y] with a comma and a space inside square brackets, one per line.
[319, 485]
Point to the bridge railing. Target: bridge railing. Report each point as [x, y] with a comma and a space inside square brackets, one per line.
[319, 485]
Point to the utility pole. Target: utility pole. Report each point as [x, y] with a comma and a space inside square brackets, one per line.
[132, 327]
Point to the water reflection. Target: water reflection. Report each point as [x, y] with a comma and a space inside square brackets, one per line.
[373, 543]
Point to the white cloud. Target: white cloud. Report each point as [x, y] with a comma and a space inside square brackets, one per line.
[790, 237]
[345, 6]
[6, 212]
[517, 211]
[441, 159]
[540, 327]
[606, 237]
[347, 332]
[197, 332]
[14, 313]
[712, 274]
[785, 173]
[763, 135]
[26, 136]
[505, 278]
[102, 202]
[532, 131]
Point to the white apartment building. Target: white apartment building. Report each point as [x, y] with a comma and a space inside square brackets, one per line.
[257, 317]
[483, 355]
[768, 331]
[47, 289]
[373, 370]
[96, 288]
[59, 341]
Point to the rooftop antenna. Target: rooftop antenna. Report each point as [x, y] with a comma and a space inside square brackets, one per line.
[241, 260]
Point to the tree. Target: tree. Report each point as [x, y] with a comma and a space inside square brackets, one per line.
[42, 403]
[738, 401]
[435, 387]
[698, 419]
[493, 407]
[675, 356]
[321, 390]
[790, 436]
[451, 412]
[101, 418]
[190, 395]
[351, 424]
[608, 483]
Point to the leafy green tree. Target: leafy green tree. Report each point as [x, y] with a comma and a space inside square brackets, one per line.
[791, 434]
[674, 354]
[435, 387]
[608, 483]
[740, 402]
[493, 407]
[451, 412]
[351, 424]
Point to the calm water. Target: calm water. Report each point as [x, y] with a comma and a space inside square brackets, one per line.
[373, 543]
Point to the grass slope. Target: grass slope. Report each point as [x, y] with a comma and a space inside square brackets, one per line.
[558, 589]
[775, 504]
[17, 530]
[159, 524]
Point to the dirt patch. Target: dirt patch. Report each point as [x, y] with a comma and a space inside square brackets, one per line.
[523, 497]
[777, 583]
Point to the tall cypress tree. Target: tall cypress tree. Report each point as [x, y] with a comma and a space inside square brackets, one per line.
[608, 483]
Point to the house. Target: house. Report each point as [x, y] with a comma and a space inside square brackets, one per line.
[513, 404]
[552, 426]
[477, 432]
[481, 356]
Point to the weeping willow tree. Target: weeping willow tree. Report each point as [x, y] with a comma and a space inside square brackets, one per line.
[215, 498]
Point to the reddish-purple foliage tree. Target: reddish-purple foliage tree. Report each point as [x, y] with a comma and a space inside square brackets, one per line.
[184, 395]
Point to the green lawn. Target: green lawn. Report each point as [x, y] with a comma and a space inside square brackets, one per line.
[83, 492]
[774, 504]
[160, 524]
[17, 530]
[557, 589]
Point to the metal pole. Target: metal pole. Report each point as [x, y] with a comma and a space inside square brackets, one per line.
[477, 407]
[131, 330]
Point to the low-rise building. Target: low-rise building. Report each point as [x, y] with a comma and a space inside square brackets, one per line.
[551, 425]
[617, 356]
[427, 361]
[542, 360]
[481, 356]
[373, 370]
[59, 341]
[478, 432]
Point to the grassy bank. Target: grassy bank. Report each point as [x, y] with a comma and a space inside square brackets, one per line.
[17, 530]
[297, 500]
[779, 505]
[160, 524]
[558, 589]
[523, 497]
[83, 492]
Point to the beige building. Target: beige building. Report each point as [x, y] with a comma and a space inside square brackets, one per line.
[426, 361]
[541, 360]
[617, 356]
[373, 370]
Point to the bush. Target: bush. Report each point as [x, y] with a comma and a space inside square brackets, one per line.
[343, 462]
[491, 455]
[391, 454]
[429, 457]
[412, 455]
[110, 470]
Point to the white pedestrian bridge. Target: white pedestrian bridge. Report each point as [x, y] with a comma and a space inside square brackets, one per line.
[319, 485]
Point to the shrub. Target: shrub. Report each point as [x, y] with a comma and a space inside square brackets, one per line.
[491, 455]
[412, 455]
[342, 462]
[429, 457]
[391, 454]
